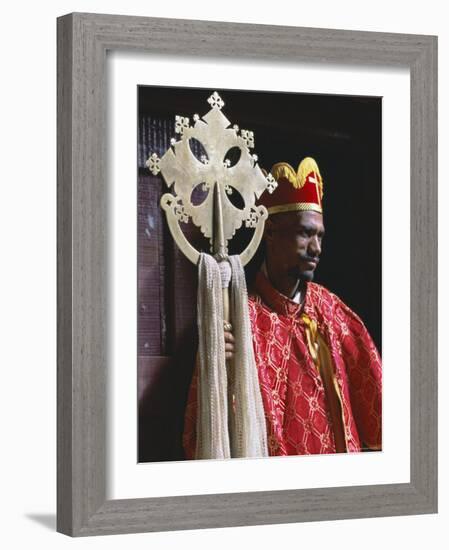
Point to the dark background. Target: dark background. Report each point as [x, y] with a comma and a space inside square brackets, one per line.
[343, 134]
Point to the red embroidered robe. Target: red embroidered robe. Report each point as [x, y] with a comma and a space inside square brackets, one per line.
[309, 410]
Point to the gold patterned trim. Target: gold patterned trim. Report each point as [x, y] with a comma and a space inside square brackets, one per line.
[326, 362]
[297, 207]
[306, 167]
[321, 356]
[284, 170]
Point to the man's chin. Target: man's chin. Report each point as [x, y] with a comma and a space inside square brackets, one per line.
[307, 276]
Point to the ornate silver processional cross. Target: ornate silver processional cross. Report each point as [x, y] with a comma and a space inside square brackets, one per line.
[216, 216]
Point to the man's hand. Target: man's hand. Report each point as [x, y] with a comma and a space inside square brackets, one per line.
[229, 341]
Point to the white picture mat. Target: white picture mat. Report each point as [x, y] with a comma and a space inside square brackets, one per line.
[126, 478]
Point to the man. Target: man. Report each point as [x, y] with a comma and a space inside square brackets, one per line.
[318, 368]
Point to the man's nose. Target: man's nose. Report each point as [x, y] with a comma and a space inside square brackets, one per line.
[315, 246]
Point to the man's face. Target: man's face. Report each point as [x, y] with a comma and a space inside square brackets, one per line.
[293, 242]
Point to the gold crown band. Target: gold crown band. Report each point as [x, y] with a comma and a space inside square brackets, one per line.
[296, 207]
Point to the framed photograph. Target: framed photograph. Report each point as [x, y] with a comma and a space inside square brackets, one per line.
[344, 133]
[134, 96]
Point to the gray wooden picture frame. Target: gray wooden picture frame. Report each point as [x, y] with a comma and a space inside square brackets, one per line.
[83, 40]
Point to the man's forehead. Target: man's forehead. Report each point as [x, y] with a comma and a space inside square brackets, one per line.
[298, 218]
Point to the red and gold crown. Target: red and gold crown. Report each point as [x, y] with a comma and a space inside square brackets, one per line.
[296, 191]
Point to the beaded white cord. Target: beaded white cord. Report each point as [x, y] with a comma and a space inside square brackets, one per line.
[221, 431]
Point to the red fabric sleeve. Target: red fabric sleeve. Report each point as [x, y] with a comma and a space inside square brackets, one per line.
[364, 370]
